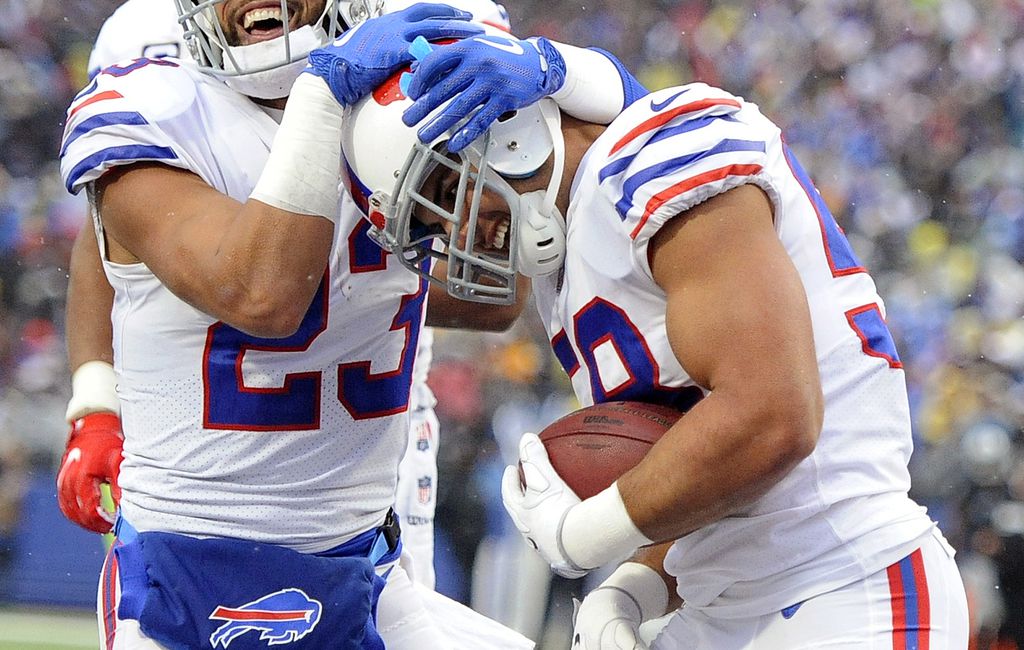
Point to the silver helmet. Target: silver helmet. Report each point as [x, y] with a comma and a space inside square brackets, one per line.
[387, 169]
[266, 67]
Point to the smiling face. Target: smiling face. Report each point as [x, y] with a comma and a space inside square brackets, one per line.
[259, 47]
[253, 21]
[491, 221]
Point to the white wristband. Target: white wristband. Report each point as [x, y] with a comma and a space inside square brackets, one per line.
[598, 531]
[587, 93]
[643, 585]
[93, 389]
[303, 171]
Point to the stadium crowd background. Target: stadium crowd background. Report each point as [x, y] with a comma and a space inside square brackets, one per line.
[910, 116]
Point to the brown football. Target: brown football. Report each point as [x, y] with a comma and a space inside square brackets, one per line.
[592, 447]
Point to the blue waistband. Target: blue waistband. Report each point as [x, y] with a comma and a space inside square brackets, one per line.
[373, 544]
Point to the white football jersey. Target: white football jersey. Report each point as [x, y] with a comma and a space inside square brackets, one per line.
[293, 441]
[843, 513]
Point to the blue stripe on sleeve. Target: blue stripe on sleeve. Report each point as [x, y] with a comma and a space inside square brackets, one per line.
[620, 165]
[93, 85]
[127, 118]
[637, 180]
[126, 153]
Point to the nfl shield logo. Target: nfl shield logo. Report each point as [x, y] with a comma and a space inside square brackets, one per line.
[423, 437]
[426, 487]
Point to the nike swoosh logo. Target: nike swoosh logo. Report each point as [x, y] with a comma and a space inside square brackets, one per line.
[657, 106]
[508, 46]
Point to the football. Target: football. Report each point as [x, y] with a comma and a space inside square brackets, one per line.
[591, 447]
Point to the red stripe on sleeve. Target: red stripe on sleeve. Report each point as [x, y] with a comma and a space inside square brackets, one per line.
[663, 118]
[106, 94]
[669, 193]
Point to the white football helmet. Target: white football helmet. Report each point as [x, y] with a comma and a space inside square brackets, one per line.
[267, 69]
[138, 28]
[386, 167]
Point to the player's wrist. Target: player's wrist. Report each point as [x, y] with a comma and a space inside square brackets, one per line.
[552, 65]
[642, 585]
[93, 390]
[599, 530]
[97, 423]
[303, 174]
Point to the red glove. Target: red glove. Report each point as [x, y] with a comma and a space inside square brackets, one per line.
[93, 456]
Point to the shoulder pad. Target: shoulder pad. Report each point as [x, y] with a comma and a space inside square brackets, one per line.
[157, 87]
[678, 147]
[117, 118]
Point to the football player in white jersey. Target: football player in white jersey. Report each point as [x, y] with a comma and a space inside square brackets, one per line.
[695, 266]
[147, 29]
[264, 399]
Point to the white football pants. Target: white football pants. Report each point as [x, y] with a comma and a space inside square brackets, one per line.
[918, 603]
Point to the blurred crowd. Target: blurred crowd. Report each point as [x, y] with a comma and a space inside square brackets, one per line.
[910, 116]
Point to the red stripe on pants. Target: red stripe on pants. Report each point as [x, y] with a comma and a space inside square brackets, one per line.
[899, 608]
[924, 608]
[109, 578]
[908, 585]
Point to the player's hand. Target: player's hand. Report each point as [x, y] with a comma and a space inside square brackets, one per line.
[607, 619]
[496, 74]
[365, 56]
[92, 457]
[538, 508]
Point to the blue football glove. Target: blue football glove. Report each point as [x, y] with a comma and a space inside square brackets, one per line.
[364, 57]
[496, 74]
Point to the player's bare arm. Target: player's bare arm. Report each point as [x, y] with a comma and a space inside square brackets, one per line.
[93, 452]
[88, 303]
[249, 264]
[738, 322]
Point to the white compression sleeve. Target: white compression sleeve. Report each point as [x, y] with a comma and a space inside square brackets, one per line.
[593, 90]
[303, 171]
[599, 530]
[93, 389]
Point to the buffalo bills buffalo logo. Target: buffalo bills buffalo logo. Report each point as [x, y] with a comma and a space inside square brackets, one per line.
[281, 617]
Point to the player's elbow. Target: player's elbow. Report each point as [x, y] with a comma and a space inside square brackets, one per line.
[792, 425]
[269, 314]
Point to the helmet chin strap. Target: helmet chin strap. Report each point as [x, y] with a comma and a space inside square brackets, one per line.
[270, 81]
[553, 119]
[541, 240]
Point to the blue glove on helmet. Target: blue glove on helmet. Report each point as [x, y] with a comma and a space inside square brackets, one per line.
[492, 73]
[364, 57]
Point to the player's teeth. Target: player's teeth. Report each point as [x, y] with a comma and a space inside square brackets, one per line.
[256, 15]
[499, 235]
